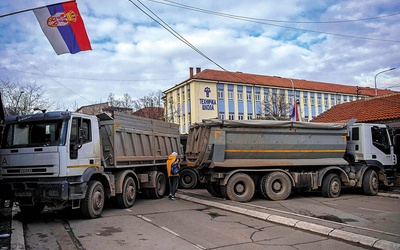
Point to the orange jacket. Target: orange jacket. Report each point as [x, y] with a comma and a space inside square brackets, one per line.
[171, 158]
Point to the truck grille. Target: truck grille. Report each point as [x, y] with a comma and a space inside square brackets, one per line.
[25, 171]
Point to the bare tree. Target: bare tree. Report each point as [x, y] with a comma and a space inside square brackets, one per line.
[23, 99]
[154, 99]
[275, 107]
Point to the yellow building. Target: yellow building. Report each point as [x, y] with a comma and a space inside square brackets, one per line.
[241, 96]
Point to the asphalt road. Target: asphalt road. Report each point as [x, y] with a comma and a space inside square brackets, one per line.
[199, 221]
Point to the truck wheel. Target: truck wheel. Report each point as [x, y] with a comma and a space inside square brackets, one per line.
[276, 186]
[128, 195]
[224, 192]
[370, 182]
[240, 187]
[188, 178]
[214, 189]
[161, 185]
[93, 203]
[331, 186]
[30, 211]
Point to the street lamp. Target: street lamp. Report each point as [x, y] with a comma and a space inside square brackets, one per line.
[376, 90]
[292, 88]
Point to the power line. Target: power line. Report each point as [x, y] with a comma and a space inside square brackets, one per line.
[52, 78]
[180, 37]
[183, 6]
[261, 21]
[93, 79]
[158, 20]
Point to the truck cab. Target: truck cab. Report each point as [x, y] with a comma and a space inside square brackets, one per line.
[42, 154]
[371, 144]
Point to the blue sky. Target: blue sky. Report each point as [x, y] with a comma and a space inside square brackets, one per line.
[331, 41]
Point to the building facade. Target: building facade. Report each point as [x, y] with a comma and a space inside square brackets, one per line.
[241, 96]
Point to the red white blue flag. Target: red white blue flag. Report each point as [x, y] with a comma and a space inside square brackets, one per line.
[295, 113]
[63, 26]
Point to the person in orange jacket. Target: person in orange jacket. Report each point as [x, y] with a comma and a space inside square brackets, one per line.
[172, 178]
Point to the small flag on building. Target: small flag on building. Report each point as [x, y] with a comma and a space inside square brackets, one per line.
[63, 26]
[295, 113]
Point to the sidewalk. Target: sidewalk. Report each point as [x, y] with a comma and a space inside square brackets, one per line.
[300, 223]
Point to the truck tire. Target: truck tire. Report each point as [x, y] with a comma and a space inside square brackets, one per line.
[29, 211]
[93, 203]
[370, 182]
[331, 186]
[276, 186]
[128, 195]
[161, 185]
[188, 178]
[240, 187]
[224, 192]
[214, 189]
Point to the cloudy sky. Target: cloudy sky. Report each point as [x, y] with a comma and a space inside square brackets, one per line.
[338, 41]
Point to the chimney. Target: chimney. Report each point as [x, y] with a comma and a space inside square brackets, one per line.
[198, 70]
[191, 72]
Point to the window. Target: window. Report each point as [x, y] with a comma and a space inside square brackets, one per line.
[240, 117]
[240, 95]
[257, 97]
[380, 139]
[248, 96]
[231, 116]
[355, 135]
[221, 116]
[220, 94]
[305, 101]
[249, 117]
[312, 101]
[230, 95]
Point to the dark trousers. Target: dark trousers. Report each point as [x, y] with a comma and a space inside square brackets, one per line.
[173, 185]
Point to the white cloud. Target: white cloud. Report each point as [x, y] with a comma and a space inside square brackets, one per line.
[132, 54]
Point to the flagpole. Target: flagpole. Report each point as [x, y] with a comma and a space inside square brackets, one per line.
[22, 11]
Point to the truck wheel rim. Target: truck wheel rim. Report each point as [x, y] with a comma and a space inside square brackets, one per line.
[98, 200]
[239, 188]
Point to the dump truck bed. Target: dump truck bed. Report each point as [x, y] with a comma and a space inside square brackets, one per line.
[134, 141]
[258, 143]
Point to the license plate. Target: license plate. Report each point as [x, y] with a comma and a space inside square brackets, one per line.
[23, 194]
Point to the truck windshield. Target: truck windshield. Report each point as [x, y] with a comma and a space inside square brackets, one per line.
[35, 134]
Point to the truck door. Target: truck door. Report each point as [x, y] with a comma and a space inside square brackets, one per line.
[382, 148]
[81, 146]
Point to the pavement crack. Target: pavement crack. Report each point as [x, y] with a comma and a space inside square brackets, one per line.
[71, 234]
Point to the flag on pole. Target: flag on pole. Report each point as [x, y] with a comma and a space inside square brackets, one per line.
[295, 113]
[64, 28]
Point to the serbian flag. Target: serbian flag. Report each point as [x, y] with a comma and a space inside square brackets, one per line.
[63, 26]
[295, 113]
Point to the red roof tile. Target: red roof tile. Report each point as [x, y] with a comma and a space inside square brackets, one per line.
[151, 112]
[366, 110]
[238, 77]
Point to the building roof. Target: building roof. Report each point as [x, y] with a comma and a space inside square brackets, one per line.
[151, 112]
[263, 80]
[381, 108]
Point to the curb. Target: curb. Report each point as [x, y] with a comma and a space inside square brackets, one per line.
[17, 234]
[307, 226]
[391, 195]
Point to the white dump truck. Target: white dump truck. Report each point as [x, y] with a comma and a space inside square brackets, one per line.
[237, 158]
[63, 158]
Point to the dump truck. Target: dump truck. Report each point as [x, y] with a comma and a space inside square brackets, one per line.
[69, 159]
[236, 159]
